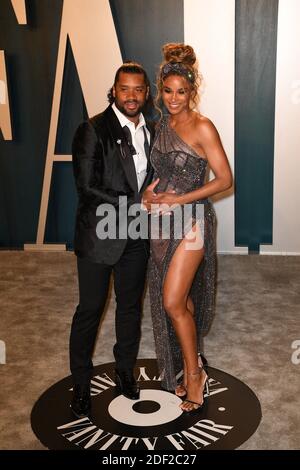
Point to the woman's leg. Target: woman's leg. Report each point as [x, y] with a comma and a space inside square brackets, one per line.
[178, 305]
[180, 390]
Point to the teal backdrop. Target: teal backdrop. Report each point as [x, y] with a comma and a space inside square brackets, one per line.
[142, 29]
[31, 54]
[255, 72]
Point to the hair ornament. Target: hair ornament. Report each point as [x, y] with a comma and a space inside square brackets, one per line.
[177, 68]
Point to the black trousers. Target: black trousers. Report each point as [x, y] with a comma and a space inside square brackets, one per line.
[94, 279]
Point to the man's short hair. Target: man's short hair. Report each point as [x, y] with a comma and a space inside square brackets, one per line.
[128, 67]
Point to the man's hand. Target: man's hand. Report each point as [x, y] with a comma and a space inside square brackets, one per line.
[149, 196]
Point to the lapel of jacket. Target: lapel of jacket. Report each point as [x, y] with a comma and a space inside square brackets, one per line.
[125, 156]
[148, 179]
[151, 129]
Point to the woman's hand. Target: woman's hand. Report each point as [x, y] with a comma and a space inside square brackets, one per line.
[158, 203]
[165, 201]
[169, 198]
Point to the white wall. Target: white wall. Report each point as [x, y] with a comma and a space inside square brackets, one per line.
[209, 27]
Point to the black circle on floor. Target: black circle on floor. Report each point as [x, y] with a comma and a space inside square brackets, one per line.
[146, 406]
[230, 415]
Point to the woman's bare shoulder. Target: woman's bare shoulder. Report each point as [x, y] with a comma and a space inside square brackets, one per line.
[205, 127]
[203, 122]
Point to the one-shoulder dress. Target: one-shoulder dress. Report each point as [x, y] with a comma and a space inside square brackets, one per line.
[181, 169]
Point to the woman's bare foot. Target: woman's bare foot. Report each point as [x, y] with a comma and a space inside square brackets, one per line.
[195, 387]
[180, 390]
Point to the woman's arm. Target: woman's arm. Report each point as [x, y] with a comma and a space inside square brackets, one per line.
[210, 141]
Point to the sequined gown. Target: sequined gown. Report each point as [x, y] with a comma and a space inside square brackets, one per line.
[179, 168]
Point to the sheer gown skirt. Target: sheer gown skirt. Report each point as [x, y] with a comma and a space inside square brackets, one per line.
[164, 242]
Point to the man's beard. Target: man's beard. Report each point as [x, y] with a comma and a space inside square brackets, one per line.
[127, 112]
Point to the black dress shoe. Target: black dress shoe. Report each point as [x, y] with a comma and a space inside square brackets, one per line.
[126, 384]
[81, 401]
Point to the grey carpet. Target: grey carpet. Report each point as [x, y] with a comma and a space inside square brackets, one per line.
[257, 319]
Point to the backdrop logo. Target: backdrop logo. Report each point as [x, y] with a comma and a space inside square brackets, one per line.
[5, 123]
[2, 92]
[229, 417]
[89, 27]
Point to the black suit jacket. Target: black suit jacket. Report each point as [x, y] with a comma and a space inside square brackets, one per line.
[103, 170]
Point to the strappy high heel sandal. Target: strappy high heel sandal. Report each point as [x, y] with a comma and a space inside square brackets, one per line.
[180, 390]
[199, 406]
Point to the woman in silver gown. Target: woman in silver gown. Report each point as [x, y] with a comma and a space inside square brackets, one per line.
[183, 255]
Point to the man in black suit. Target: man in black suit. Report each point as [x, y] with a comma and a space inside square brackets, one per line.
[110, 159]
